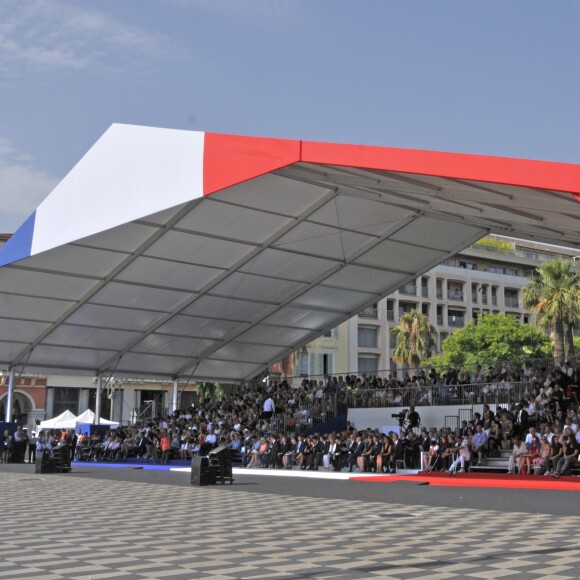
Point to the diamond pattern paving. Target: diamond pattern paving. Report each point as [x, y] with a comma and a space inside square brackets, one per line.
[61, 527]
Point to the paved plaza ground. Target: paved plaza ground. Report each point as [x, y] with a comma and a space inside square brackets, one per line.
[133, 523]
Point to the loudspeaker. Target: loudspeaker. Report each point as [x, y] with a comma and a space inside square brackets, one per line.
[222, 449]
[200, 471]
[44, 462]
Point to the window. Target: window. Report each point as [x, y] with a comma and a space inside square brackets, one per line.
[367, 337]
[65, 398]
[331, 333]
[367, 364]
[325, 363]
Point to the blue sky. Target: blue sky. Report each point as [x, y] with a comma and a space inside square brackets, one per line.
[496, 77]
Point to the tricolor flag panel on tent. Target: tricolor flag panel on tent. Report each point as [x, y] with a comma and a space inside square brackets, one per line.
[174, 253]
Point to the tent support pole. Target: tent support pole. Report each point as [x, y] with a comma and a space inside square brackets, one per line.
[175, 393]
[97, 419]
[9, 395]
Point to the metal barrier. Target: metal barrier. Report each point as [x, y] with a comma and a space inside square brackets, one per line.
[435, 395]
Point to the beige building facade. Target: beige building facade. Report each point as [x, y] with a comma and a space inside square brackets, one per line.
[485, 278]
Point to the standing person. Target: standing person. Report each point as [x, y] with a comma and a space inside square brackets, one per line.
[7, 446]
[20, 439]
[268, 408]
[32, 447]
[414, 418]
[166, 447]
[151, 446]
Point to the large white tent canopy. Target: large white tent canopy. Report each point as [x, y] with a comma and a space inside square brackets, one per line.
[175, 254]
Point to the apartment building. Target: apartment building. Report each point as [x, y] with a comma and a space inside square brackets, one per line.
[487, 277]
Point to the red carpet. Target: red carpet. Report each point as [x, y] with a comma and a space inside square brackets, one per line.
[500, 480]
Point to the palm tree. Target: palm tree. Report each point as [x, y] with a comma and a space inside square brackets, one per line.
[554, 295]
[415, 339]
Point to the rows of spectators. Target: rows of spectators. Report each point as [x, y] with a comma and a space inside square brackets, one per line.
[266, 420]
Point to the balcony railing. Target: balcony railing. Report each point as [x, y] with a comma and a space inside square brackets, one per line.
[484, 298]
[425, 292]
[390, 315]
[408, 290]
[474, 296]
[440, 320]
[490, 393]
[512, 302]
[456, 320]
[494, 300]
[455, 295]
[439, 293]
[369, 313]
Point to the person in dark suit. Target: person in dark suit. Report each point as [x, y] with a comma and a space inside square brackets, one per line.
[355, 452]
[313, 456]
[298, 454]
[398, 452]
[521, 424]
[272, 459]
[285, 447]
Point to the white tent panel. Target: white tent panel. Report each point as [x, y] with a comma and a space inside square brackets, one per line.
[232, 372]
[65, 420]
[297, 267]
[274, 194]
[114, 317]
[11, 349]
[228, 308]
[200, 327]
[140, 297]
[233, 222]
[274, 335]
[68, 357]
[137, 364]
[168, 274]
[240, 285]
[21, 330]
[360, 214]
[125, 239]
[242, 352]
[43, 284]
[87, 337]
[334, 298]
[368, 279]
[200, 250]
[432, 233]
[397, 256]
[173, 345]
[32, 308]
[88, 418]
[301, 318]
[114, 187]
[77, 261]
[323, 241]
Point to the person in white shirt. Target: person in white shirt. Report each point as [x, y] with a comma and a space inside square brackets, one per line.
[463, 456]
[269, 408]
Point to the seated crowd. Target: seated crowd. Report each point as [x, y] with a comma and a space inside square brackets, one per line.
[262, 426]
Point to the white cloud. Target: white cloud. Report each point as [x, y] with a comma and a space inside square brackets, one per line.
[22, 187]
[49, 34]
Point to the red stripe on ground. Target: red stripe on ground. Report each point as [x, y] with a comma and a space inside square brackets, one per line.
[513, 482]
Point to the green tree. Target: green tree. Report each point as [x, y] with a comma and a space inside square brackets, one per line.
[415, 339]
[495, 338]
[554, 295]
